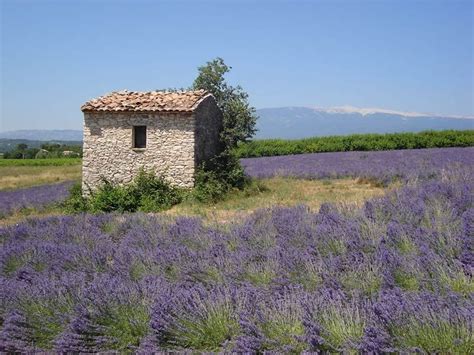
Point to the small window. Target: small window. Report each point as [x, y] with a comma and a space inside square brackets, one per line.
[139, 136]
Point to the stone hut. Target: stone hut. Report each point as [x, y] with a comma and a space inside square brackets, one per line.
[170, 133]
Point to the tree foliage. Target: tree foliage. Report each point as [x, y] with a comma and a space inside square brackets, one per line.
[224, 172]
[48, 150]
[239, 118]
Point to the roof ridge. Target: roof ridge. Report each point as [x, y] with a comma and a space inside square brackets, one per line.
[158, 100]
[198, 102]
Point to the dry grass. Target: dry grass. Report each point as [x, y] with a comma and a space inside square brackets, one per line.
[282, 192]
[14, 177]
[267, 193]
[30, 213]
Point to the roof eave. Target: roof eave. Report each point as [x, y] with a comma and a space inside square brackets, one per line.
[138, 111]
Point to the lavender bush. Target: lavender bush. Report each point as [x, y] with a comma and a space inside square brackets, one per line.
[382, 165]
[33, 197]
[395, 275]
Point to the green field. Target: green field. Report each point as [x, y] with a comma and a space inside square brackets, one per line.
[356, 142]
[40, 162]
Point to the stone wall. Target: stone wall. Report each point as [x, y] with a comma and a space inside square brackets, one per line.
[108, 150]
[208, 118]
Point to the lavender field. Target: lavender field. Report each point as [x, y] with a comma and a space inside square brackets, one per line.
[395, 275]
[381, 166]
[385, 166]
[392, 276]
[36, 197]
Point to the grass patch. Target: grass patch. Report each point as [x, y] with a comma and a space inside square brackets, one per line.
[41, 162]
[282, 327]
[405, 245]
[456, 281]
[279, 191]
[13, 263]
[342, 327]
[308, 275]
[17, 176]
[261, 273]
[26, 213]
[438, 336]
[126, 325]
[284, 331]
[406, 281]
[208, 331]
[368, 281]
[47, 318]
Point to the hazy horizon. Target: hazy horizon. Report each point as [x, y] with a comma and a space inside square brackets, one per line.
[340, 109]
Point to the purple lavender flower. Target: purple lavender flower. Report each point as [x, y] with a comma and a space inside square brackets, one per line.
[198, 319]
[395, 275]
[382, 165]
[427, 321]
[33, 197]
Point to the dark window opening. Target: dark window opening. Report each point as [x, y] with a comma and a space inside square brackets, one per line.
[139, 136]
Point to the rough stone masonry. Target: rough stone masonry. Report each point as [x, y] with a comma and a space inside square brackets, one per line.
[169, 133]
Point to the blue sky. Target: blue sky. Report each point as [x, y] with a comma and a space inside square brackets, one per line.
[400, 55]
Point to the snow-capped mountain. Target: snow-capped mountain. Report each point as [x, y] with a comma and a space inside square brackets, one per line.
[300, 122]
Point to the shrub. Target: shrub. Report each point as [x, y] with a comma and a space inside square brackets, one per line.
[154, 193]
[111, 197]
[209, 188]
[220, 175]
[76, 202]
[147, 193]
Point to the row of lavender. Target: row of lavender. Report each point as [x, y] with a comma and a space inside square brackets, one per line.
[395, 275]
[36, 197]
[384, 166]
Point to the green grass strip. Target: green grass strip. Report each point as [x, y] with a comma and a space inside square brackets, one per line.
[41, 162]
[356, 142]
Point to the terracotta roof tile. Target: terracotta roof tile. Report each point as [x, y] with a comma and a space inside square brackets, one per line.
[160, 101]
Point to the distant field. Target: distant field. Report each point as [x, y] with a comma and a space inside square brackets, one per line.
[40, 162]
[18, 176]
[357, 142]
[384, 167]
[43, 199]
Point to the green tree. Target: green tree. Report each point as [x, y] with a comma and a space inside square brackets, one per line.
[239, 118]
[22, 147]
[50, 147]
[224, 172]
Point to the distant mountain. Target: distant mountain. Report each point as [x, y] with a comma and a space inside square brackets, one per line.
[301, 122]
[7, 145]
[44, 135]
